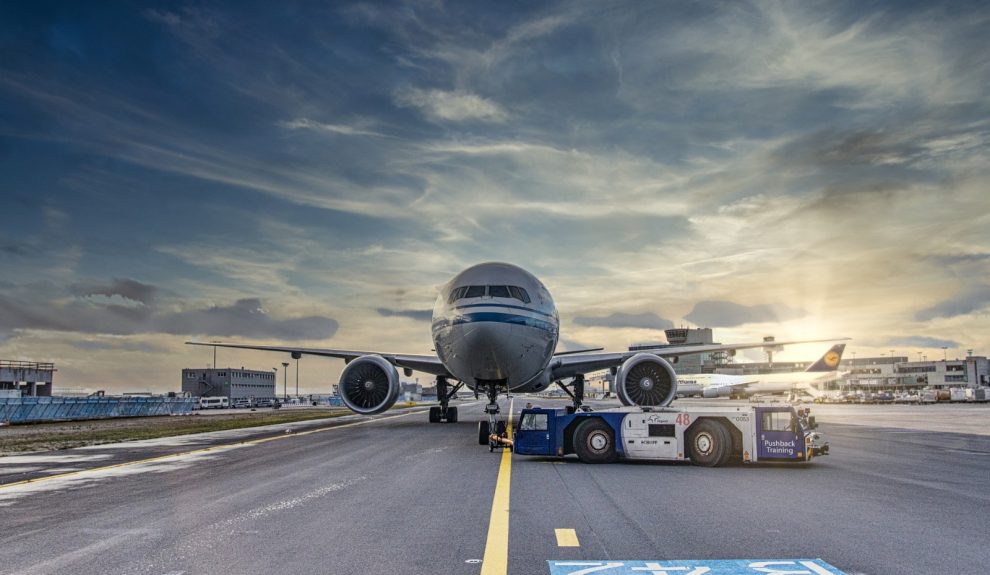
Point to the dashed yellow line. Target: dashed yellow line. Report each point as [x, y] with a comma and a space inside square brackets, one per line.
[196, 451]
[566, 538]
[496, 561]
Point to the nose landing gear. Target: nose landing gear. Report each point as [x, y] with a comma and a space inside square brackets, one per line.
[493, 432]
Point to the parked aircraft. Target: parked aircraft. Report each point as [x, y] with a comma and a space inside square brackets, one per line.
[495, 330]
[723, 385]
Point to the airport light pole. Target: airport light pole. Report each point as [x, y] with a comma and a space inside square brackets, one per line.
[893, 368]
[285, 380]
[943, 353]
[215, 354]
[297, 377]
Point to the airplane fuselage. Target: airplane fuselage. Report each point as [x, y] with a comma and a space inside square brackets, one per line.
[496, 323]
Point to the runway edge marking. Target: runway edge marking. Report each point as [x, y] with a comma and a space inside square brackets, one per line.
[247, 443]
[496, 560]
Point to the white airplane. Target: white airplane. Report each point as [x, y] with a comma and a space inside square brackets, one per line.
[722, 385]
[495, 330]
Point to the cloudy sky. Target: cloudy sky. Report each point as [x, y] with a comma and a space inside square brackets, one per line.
[309, 174]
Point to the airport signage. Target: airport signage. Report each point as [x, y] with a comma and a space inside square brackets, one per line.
[695, 567]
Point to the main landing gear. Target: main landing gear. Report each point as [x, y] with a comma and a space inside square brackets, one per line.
[576, 391]
[494, 426]
[444, 412]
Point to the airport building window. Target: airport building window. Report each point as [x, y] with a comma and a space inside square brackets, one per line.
[918, 369]
[534, 422]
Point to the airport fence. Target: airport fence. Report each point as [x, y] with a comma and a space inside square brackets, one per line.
[38, 409]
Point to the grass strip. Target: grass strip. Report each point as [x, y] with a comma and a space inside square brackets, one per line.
[61, 435]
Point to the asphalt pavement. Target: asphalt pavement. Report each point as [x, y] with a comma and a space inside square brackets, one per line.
[395, 494]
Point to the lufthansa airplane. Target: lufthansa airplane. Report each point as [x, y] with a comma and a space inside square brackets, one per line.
[495, 330]
[723, 385]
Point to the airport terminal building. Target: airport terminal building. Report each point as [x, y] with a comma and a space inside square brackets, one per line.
[899, 373]
[887, 372]
[26, 378]
[229, 382]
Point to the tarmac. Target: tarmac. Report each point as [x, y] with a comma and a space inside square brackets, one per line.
[395, 494]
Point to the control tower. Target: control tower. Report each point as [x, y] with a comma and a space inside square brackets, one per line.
[687, 336]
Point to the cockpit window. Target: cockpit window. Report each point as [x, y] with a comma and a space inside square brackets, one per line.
[492, 291]
[474, 291]
[498, 291]
[519, 293]
[456, 294]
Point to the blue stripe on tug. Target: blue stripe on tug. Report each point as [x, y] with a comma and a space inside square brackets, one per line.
[694, 567]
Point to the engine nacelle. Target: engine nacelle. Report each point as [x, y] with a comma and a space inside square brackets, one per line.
[369, 385]
[713, 392]
[647, 380]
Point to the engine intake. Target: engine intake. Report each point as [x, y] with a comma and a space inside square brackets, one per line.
[369, 385]
[647, 380]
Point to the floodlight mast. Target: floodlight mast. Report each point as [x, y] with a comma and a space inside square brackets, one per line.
[285, 380]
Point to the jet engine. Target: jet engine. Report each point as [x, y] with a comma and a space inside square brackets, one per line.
[646, 379]
[711, 393]
[369, 385]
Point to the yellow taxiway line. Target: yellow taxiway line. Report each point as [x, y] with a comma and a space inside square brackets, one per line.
[195, 451]
[496, 561]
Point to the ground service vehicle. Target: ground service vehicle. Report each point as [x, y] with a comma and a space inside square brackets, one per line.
[214, 402]
[708, 436]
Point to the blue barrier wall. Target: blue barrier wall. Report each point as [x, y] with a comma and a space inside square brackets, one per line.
[36, 409]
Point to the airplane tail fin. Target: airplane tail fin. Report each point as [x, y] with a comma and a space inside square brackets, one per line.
[829, 361]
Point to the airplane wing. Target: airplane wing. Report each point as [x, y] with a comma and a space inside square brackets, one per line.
[571, 365]
[425, 363]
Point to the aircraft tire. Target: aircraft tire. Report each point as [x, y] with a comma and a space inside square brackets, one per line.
[594, 441]
[483, 433]
[435, 414]
[451, 415]
[709, 443]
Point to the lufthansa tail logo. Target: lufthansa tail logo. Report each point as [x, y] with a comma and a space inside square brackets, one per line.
[831, 359]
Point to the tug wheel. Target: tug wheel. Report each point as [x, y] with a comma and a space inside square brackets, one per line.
[594, 442]
[709, 443]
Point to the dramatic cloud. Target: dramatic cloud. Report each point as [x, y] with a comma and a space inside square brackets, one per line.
[416, 314]
[455, 106]
[129, 289]
[922, 341]
[970, 300]
[730, 314]
[829, 159]
[343, 130]
[132, 346]
[646, 320]
[245, 318]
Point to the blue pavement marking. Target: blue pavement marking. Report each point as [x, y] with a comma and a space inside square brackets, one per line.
[695, 567]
